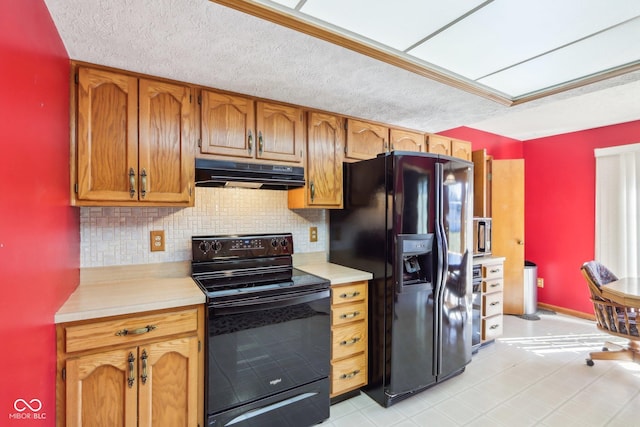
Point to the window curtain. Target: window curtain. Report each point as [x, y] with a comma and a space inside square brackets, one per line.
[618, 209]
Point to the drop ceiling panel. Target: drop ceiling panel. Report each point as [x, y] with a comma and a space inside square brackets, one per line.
[505, 33]
[397, 24]
[607, 50]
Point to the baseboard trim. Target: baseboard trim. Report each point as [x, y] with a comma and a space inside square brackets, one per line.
[567, 311]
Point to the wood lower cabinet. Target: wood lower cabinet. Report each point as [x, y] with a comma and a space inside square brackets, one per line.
[237, 126]
[144, 370]
[492, 298]
[325, 148]
[348, 337]
[133, 139]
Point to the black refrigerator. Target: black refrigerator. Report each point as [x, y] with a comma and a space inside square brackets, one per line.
[407, 219]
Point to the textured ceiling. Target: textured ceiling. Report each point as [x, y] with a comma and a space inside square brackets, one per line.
[204, 43]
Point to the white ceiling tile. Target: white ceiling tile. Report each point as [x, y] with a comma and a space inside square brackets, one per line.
[398, 24]
[507, 32]
[607, 50]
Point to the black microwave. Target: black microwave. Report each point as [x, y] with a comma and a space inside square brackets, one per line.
[481, 236]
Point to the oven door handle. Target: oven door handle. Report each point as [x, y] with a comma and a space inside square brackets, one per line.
[257, 304]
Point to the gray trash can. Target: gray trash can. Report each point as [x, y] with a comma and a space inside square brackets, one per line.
[530, 288]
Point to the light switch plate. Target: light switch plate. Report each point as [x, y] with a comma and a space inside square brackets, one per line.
[157, 240]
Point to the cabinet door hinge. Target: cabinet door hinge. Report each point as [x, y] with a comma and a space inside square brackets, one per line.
[200, 142]
[199, 99]
[75, 187]
[190, 98]
[64, 374]
[76, 78]
[346, 125]
[199, 346]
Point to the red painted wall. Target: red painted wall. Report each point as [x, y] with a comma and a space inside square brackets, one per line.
[560, 208]
[39, 231]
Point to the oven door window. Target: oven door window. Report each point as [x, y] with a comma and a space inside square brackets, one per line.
[261, 349]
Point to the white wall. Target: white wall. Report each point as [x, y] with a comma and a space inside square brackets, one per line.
[120, 236]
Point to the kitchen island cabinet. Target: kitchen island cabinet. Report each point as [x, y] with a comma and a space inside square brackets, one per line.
[239, 127]
[325, 153]
[132, 143]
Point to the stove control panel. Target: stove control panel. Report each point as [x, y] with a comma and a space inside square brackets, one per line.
[206, 248]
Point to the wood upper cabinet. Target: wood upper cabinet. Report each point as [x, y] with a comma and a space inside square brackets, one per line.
[132, 142]
[481, 183]
[439, 144]
[228, 123]
[237, 126]
[402, 140]
[280, 132]
[325, 148]
[151, 378]
[461, 149]
[365, 140]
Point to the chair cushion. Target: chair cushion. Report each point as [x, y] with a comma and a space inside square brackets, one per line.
[600, 275]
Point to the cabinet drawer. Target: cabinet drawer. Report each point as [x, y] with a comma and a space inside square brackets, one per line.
[493, 271]
[491, 327]
[348, 374]
[492, 304]
[128, 330]
[349, 293]
[346, 313]
[349, 339]
[494, 285]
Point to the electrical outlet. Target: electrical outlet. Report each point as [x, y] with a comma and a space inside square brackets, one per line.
[540, 282]
[157, 240]
[313, 234]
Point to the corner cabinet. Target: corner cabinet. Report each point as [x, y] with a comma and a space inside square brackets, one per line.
[325, 147]
[140, 370]
[133, 141]
[348, 337]
[239, 127]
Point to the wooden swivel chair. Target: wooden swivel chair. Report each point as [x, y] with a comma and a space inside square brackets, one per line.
[612, 316]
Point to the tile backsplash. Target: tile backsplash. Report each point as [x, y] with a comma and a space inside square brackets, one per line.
[120, 236]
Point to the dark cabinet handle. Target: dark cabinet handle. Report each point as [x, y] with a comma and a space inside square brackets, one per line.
[132, 376]
[351, 341]
[349, 375]
[350, 315]
[139, 331]
[351, 295]
[250, 141]
[313, 190]
[260, 142]
[132, 182]
[494, 303]
[494, 326]
[143, 179]
[144, 358]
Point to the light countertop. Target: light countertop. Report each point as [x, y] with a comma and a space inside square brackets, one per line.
[336, 274]
[107, 291]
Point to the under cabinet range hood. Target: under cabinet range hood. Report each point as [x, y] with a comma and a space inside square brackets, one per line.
[226, 173]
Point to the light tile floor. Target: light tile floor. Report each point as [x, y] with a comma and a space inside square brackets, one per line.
[534, 375]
